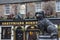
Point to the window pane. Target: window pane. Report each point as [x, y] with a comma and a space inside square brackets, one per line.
[57, 6]
[37, 7]
[7, 9]
[6, 33]
[22, 9]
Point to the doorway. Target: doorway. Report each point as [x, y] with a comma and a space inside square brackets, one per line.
[32, 33]
[18, 33]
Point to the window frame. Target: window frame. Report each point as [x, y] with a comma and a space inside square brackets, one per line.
[38, 7]
[58, 5]
[7, 7]
[21, 11]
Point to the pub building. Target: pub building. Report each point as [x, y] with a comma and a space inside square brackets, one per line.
[19, 30]
[17, 18]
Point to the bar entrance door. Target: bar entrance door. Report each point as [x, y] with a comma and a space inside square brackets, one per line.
[32, 33]
[19, 34]
[32, 36]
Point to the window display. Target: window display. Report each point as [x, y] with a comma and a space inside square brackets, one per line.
[6, 33]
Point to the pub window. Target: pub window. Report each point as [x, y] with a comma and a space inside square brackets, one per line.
[37, 7]
[22, 10]
[6, 33]
[7, 9]
[57, 6]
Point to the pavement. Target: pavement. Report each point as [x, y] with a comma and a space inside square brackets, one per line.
[46, 37]
[39, 39]
[5, 39]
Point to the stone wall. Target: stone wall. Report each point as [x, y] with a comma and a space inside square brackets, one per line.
[49, 6]
[1, 10]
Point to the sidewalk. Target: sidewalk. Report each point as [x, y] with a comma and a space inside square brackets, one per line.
[5, 39]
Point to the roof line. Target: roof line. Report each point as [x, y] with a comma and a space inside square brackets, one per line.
[20, 2]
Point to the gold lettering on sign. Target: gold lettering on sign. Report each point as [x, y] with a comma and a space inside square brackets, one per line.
[12, 23]
[19, 23]
[31, 23]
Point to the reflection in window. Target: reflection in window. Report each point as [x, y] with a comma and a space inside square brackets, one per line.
[6, 33]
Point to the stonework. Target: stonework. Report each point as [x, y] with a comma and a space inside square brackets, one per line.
[49, 6]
